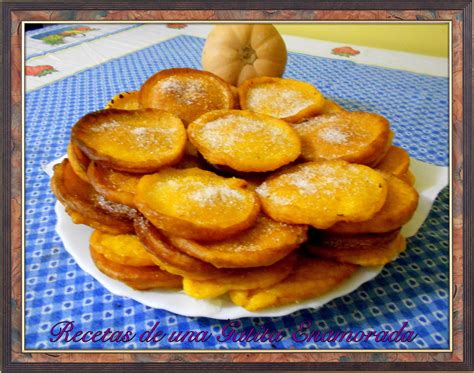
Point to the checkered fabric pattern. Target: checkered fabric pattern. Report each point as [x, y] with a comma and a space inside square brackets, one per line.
[414, 288]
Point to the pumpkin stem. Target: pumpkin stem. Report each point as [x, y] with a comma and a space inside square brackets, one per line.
[248, 55]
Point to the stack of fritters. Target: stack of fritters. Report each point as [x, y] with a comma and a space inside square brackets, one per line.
[276, 203]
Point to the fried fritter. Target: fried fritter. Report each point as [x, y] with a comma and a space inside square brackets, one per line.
[323, 193]
[245, 279]
[196, 204]
[78, 196]
[117, 186]
[187, 93]
[263, 244]
[78, 161]
[329, 239]
[244, 141]
[384, 152]
[136, 141]
[140, 278]
[171, 259]
[396, 161]
[117, 228]
[287, 99]
[362, 255]
[399, 207]
[311, 277]
[355, 137]
[125, 249]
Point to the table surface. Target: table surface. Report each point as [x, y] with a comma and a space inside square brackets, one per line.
[62, 87]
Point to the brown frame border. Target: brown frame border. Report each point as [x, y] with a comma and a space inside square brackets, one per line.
[10, 138]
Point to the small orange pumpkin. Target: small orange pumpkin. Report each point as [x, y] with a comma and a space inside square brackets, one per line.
[240, 52]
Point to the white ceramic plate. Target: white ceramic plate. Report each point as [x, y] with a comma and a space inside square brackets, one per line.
[430, 180]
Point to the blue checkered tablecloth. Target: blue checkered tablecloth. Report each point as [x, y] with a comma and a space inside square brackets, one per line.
[413, 289]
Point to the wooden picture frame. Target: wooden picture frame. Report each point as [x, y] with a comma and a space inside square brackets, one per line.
[13, 13]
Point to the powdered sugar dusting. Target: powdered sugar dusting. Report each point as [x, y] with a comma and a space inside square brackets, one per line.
[144, 131]
[305, 181]
[154, 139]
[276, 101]
[138, 136]
[189, 91]
[263, 191]
[282, 201]
[310, 180]
[334, 135]
[305, 186]
[335, 129]
[224, 133]
[105, 126]
[138, 132]
[205, 194]
[215, 194]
